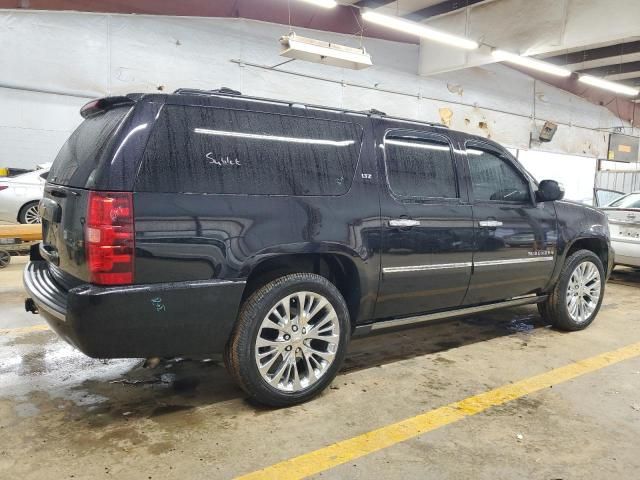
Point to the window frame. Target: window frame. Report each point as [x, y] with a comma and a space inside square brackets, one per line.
[438, 137]
[505, 156]
[360, 140]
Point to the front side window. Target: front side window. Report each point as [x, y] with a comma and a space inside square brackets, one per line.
[420, 167]
[494, 178]
[217, 150]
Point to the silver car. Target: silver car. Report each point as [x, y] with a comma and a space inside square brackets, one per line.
[624, 223]
[19, 195]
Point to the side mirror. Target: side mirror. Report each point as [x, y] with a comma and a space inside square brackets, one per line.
[549, 191]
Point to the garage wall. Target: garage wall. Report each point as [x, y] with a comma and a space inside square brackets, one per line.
[77, 56]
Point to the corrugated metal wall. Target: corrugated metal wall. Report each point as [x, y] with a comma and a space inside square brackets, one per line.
[625, 181]
[76, 56]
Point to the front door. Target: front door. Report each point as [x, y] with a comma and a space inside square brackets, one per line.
[427, 227]
[515, 237]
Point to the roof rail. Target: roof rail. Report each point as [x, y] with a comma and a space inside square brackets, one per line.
[197, 91]
[236, 93]
[373, 111]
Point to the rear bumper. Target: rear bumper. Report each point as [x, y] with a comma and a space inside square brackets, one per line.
[165, 319]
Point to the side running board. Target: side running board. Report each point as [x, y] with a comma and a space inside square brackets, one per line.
[398, 322]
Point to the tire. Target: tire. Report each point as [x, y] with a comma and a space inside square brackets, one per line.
[5, 258]
[309, 364]
[26, 214]
[565, 308]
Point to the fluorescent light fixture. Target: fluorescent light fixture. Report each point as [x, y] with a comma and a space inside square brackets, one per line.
[607, 85]
[530, 63]
[326, 53]
[322, 3]
[275, 138]
[419, 29]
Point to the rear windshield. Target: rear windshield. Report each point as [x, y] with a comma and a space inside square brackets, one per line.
[215, 150]
[81, 154]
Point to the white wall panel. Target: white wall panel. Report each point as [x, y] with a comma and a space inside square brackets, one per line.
[33, 126]
[55, 51]
[94, 54]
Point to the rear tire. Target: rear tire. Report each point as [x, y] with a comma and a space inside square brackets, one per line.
[29, 213]
[290, 340]
[577, 296]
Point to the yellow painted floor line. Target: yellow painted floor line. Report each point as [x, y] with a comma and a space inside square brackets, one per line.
[24, 330]
[375, 440]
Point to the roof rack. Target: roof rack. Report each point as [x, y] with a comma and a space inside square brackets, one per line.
[370, 112]
[197, 91]
[373, 111]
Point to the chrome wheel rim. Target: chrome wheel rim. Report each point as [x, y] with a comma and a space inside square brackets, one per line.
[32, 215]
[583, 292]
[297, 341]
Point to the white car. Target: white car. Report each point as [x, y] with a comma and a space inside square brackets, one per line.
[20, 195]
[624, 224]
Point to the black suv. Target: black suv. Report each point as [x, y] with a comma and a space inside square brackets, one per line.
[207, 222]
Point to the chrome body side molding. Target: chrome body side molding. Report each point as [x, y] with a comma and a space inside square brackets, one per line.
[445, 266]
[421, 268]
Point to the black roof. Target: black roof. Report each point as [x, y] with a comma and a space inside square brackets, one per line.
[228, 92]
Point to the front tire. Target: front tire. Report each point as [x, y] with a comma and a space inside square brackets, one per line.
[290, 340]
[576, 299]
[29, 213]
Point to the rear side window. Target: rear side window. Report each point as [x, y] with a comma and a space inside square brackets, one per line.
[494, 178]
[420, 167]
[81, 154]
[214, 150]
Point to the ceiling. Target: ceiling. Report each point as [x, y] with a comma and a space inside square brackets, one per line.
[417, 10]
[619, 62]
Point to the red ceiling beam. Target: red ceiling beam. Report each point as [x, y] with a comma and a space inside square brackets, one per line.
[342, 19]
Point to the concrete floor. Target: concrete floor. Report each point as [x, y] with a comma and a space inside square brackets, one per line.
[63, 415]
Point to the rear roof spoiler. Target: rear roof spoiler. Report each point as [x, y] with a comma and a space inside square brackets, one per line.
[95, 107]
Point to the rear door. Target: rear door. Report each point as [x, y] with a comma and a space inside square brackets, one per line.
[427, 228]
[624, 227]
[64, 204]
[515, 237]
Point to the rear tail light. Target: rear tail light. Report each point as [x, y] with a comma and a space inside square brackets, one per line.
[109, 235]
[3, 187]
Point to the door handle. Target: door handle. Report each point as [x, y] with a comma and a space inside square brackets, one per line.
[403, 222]
[490, 223]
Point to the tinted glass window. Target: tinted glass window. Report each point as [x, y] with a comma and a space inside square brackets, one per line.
[419, 167]
[44, 175]
[494, 178]
[81, 154]
[628, 201]
[606, 197]
[213, 150]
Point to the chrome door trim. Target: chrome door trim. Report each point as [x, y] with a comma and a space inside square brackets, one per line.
[446, 266]
[403, 222]
[525, 300]
[512, 261]
[421, 268]
[490, 223]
